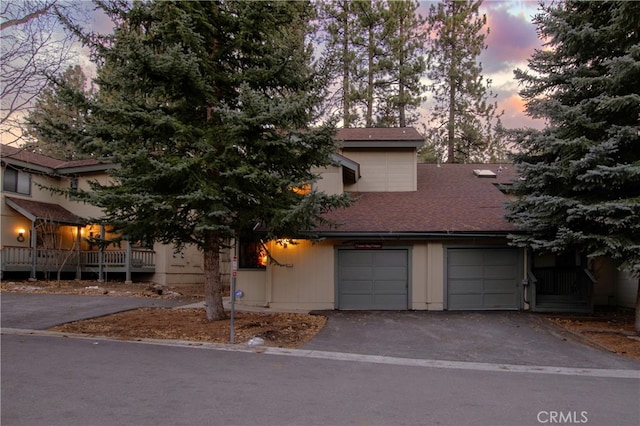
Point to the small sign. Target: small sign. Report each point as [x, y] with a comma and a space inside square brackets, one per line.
[367, 246]
[234, 266]
[239, 294]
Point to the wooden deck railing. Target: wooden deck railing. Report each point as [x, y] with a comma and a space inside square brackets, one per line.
[21, 259]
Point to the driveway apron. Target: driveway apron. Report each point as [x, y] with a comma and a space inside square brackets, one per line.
[485, 337]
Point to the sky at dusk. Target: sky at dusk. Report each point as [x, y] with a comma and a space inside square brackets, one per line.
[511, 41]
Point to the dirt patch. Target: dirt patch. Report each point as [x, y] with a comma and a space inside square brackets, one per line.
[611, 330]
[608, 329]
[284, 330]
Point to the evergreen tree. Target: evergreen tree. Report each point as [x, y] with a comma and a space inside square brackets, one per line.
[376, 50]
[340, 57]
[403, 41]
[464, 111]
[55, 118]
[580, 186]
[206, 107]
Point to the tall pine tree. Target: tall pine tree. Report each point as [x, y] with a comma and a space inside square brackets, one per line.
[375, 49]
[206, 107]
[464, 107]
[580, 187]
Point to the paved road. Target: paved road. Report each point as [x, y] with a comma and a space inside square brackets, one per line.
[42, 311]
[49, 380]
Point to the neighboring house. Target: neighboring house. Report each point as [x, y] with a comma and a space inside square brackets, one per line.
[43, 231]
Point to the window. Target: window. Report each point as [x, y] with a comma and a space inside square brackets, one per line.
[16, 181]
[251, 254]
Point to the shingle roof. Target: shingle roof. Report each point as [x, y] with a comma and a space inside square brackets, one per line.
[30, 157]
[450, 199]
[45, 211]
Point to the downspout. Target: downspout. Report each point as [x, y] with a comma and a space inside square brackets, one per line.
[525, 279]
[34, 251]
[269, 280]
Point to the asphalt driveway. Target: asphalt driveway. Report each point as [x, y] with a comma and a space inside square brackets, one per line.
[42, 311]
[485, 337]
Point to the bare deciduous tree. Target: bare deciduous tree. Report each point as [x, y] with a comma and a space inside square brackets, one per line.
[33, 46]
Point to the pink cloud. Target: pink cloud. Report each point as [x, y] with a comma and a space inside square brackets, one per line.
[511, 40]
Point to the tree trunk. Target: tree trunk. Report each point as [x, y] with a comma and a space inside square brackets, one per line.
[637, 322]
[346, 66]
[212, 281]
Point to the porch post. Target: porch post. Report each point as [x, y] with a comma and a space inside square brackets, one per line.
[34, 251]
[127, 266]
[78, 269]
[101, 256]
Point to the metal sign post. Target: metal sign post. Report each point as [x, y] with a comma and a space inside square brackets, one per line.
[234, 273]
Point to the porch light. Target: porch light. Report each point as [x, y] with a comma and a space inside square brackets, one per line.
[20, 237]
[284, 242]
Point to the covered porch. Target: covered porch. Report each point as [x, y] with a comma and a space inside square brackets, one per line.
[58, 241]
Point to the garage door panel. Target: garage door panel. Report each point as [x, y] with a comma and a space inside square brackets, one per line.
[499, 286]
[482, 278]
[498, 301]
[389, 301]
[466, 301]
[499, 271]
[390, 273]
[356, 301]
[356, 258]
[466, 271]
[390, 258]
[459, 258]
[356, 287]
[373, 279]
[357, 273]
[465, 286]
[389, 287]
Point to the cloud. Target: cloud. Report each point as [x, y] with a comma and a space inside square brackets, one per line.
[512, 37]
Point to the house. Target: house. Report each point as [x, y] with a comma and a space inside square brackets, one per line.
[417, 237]
[44, 232]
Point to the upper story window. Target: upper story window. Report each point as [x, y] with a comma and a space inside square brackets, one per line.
[16, 181]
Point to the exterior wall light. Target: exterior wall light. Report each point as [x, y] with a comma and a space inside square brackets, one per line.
[20, 237]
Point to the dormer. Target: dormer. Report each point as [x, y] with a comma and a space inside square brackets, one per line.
[387, 158]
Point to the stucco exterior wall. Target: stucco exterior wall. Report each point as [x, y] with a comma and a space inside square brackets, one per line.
[306, 280]
[182, 267]
[384, 170]
[330, 181]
